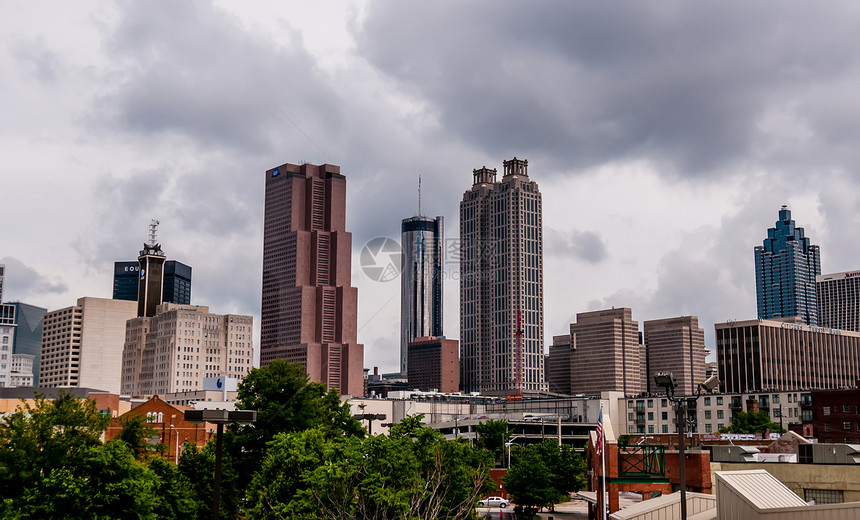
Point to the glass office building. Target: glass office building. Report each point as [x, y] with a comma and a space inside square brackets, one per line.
[28, 333]
[176, 288]
[421, 282]
[786, 266]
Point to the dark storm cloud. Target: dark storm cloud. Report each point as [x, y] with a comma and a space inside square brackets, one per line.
[21, 282]
[585, 245]
[684, 85]
[192, 70]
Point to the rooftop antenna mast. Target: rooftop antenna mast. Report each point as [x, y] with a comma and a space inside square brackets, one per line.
[153, 232]
[419, 194]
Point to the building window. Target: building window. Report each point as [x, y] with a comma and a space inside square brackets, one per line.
[651, 417]
[825, 410]
[663, 403]
[665, 428]
[774, 399]
[707, 401]
[720, 426]
[650, 428]
[823, 496]
[707, 427]
[719, 401]
[719, 414]
[630, 417]
[827, 426]
[629, 404]
[665, 416]
[650, 403]
[846, 426]
[707, 414]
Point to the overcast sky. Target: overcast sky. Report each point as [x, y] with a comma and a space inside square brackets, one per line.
[664, 137]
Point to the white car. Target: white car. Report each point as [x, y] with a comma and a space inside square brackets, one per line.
[494, 502]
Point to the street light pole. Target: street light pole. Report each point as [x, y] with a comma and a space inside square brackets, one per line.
[682, 472]
[667, 381]
[219, 417]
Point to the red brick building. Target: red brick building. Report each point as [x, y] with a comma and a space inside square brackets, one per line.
[434, 364]
[836, 415]
[168, 422]
[309, 307]
[646, 469]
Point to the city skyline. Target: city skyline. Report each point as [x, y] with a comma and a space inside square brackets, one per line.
[662, 160]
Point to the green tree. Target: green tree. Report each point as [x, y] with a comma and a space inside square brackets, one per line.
[566, 466]
[47, 435]
[751, 422]
[198, 467]
[136, 433]
[492, 436]
[101, 482]
[544, 474]
[285, 402]
[413, 473]
[529, 482]
[174, 493]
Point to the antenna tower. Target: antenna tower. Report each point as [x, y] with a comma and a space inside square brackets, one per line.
[419, 195]
[153, 232]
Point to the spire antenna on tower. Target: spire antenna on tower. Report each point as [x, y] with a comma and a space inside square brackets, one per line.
[153, 232]
[419, 194]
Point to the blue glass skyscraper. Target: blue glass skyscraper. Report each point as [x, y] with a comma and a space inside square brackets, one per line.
[421, 282]
[785, 268]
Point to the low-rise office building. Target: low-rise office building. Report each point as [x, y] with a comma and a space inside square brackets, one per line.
[434, 364]
[82, 344]
[182, 345]
[776, 356]
[656, 414]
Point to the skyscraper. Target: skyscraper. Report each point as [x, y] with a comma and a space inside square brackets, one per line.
[420, 282]
[785, 268]
[676, 345]
[606, 353]
[309, 309]
[839, 300]
[501, 282]
[2, 269]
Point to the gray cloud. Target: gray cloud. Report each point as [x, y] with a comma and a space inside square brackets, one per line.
[585, 245]
[38, 60]
[21, 282]
[194, 71]
[684, 86]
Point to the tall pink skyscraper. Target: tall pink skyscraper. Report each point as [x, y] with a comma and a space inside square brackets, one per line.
[309, 308]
